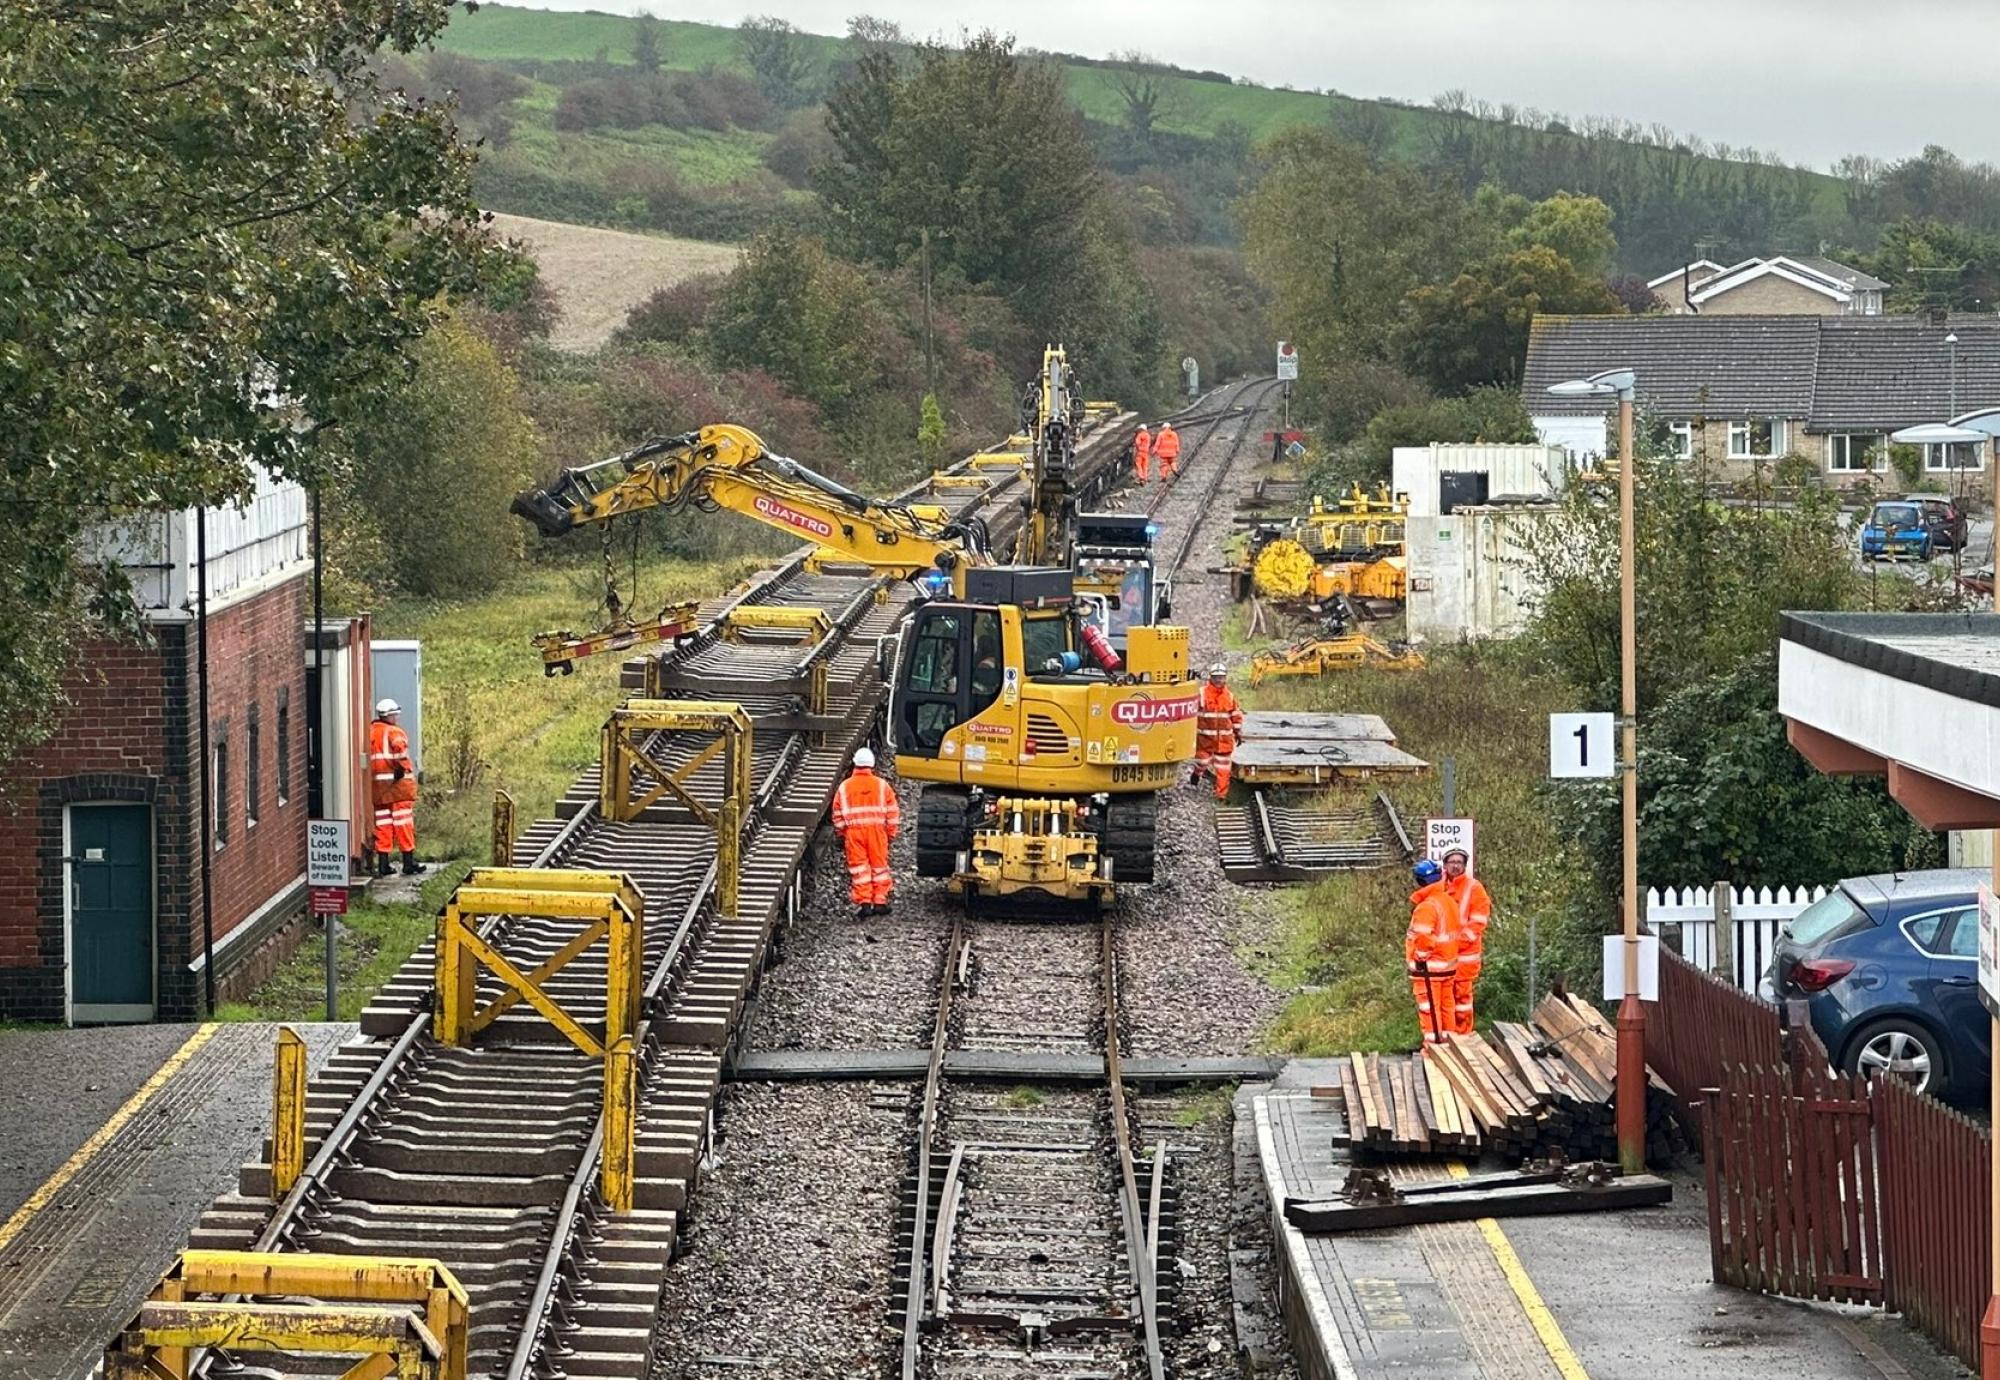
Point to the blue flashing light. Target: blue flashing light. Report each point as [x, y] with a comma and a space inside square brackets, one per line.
[1152, 529]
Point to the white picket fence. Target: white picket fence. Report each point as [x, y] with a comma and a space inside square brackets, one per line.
[1685, 922]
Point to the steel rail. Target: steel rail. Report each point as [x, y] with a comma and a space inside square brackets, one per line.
[1132, 1209]
[913, 1309]
[1219, 474]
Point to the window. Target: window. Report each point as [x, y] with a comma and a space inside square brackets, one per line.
[1963, 941]
[934, 660]
[1857, 452]
[253, 769]
[284, 744]
[1957, 455]
[1042, 640]
[1680, 440]
[1832, 915]
[1754, 438]
[219, 790]
[986, 658]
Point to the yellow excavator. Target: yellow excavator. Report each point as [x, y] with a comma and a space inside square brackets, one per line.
[1041, 746]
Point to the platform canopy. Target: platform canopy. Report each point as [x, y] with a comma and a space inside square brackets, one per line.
[1914, 697]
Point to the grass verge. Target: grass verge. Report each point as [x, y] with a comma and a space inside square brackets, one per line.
[371, 944]
[1342, 944]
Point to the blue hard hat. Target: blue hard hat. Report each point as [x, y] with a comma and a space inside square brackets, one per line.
[1426, 872]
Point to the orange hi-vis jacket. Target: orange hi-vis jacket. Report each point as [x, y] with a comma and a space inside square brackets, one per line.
[1142, 446]
[866, 801]
[389, 748]
[1167, 447]
[1475, 909]
[1431, 945]
[1218, 720]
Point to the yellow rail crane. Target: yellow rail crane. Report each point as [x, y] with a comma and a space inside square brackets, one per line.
[1041, 747]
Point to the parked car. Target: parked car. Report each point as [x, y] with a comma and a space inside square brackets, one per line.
[1896, 528]
[1945, 519]
[1888, 968]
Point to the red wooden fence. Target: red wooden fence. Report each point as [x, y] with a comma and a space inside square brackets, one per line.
[1821, 1186]
[1937, 1198]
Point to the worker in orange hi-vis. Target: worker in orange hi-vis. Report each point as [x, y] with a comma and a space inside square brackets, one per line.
[393, 790]
[866, 816]
[1475, 909]
[1167, 450]
[1218, 719]
[1142, 452]
[1430, 949]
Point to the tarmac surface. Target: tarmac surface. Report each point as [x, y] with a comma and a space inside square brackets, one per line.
[1592, 1296]
[114, 1141]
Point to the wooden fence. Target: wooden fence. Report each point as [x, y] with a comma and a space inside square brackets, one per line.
[1822, 1186]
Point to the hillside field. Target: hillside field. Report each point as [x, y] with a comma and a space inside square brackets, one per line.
[600, 275]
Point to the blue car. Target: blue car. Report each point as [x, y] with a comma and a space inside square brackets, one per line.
[1888, 968]
[1896, 530]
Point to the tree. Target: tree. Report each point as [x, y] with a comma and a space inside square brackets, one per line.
[1576, 227]
[930, 431]
[1149, 91]
[803, 317]
[1633, 294]
[436, 460]
[780, 57]
[867, 33]
[220, 238]
[979, 149]
[646, 42]
[1474, 329]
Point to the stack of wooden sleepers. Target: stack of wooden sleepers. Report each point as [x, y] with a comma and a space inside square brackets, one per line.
[1518, 1090]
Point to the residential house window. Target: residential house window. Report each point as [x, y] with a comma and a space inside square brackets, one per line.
[218, 786]
[1958, 455]
[1680, 440]
[284, 743]
[1759, 436]
[253, 768]
[1855, 452]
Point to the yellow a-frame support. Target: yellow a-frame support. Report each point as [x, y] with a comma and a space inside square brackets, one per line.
[623, 798]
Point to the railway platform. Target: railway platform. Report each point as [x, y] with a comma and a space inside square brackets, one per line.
[114, 1142]
[1593, 1296]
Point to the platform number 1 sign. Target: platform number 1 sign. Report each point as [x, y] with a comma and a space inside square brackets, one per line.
[1581, 745]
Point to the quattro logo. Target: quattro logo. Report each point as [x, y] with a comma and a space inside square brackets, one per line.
[791, 517]
[1143, 711]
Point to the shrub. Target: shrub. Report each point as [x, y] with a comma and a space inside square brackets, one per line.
[800, 146]
[674, 314]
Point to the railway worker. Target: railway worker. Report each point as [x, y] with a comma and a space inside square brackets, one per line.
[1167, 450]
[1475, 908]
[1142, 452]
[393, 790]
[866, 816]
[1218, 719]
[1430, 949]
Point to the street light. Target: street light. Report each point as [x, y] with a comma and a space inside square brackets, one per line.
[1622, 384]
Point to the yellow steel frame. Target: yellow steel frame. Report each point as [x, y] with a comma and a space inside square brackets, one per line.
[406, 1318]
[608, 903]
[1320, 655]
[560, 649]
[811, 624]
[621, 800]
[288, 1112]
[503, 829]
[621, 1116]
[1037, 845]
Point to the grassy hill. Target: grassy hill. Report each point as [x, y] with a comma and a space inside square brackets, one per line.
[598, 276]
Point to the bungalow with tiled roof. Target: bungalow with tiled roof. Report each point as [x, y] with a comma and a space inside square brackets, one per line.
[1736, 391]
[1780, 284]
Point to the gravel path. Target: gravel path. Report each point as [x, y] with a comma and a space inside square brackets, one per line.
[792, 1242]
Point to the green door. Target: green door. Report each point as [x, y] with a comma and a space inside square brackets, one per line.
[111, 912]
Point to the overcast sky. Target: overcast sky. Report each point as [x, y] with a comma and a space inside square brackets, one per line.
[1810, 80]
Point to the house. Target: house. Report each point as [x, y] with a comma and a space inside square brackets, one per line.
[1787, 284]
[102, 836]
[1736, 392]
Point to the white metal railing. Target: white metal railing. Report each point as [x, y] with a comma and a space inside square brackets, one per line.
[1686, 919]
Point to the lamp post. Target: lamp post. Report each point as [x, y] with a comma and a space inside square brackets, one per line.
[1623, 384]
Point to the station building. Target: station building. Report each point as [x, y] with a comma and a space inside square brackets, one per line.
[101, 828]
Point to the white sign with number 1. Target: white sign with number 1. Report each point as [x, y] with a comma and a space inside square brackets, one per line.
[1580, 745]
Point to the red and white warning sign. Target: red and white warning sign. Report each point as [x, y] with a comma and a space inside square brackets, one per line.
[1288, 360]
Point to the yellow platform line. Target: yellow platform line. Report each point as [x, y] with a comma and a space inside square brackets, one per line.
[1547, 1330]
[88, 1151]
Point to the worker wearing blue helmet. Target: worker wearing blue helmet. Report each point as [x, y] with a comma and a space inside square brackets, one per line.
[1430, 949]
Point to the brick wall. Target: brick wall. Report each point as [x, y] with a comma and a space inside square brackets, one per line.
[1771, 295]
[130, 733]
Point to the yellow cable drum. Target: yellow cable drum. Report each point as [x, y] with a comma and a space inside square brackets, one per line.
[1283, 569]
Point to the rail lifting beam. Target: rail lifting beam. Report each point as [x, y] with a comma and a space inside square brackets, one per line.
[628, 762]
[610, 907]
[404, 1318]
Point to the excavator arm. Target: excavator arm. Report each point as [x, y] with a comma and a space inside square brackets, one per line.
[727, 467]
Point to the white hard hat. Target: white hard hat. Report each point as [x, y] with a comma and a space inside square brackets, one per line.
[388, 707]
[1220, 668]
[864, 757]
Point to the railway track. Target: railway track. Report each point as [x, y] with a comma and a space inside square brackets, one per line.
[487, 1156]
[1032, 1226]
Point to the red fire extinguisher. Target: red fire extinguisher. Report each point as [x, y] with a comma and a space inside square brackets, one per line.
[1100, 648]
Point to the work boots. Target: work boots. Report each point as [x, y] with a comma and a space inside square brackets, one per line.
[411, 867]
[381, 864]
